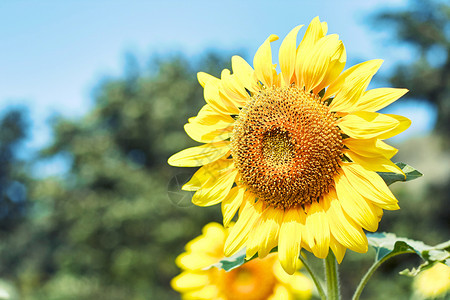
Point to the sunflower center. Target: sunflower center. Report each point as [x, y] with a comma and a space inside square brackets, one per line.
[254, 280]
[277, 148]
[287, 147]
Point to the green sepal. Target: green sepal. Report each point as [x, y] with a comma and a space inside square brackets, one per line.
[230, 263]
[236, 260]
[410, 174]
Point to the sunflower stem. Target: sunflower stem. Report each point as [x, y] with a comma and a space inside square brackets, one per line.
[332, 276]
[314, 277]
[370, 272]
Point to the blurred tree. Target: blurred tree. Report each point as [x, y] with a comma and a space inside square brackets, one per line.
[425, 214]
[13, 193]
[108, 229]
[425, 26]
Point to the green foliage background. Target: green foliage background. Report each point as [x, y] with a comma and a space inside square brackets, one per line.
[108, 229]
[111, 227]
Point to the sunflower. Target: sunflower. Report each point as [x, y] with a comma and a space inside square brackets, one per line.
[433, 282]
[295, 152]
[257, 279]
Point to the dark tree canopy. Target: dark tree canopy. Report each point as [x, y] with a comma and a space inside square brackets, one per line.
[14, 126]
[425, 26]
[108, 229]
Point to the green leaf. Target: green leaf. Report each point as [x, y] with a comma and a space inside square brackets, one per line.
[232, 262]
[388, 245]
[237, 260]
[410, 172]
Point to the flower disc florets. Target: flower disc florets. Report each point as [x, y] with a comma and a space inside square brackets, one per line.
[287, 146]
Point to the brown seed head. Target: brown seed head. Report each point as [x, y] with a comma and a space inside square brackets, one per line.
[286, 146]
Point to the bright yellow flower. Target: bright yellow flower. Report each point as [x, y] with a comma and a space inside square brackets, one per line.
[434, 282]
[296, 152]
[255, 280]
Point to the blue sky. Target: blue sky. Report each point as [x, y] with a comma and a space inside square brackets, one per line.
[54, 52]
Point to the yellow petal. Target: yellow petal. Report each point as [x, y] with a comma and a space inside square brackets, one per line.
[213, 235]
[355, 205]
[208, 116]
[301, 286]
[403, 124]
[190, 281]
[253, 240]
[290, 238]
[317, 61]
[298, 284]
[342, 227]
[195, 261]
[367, 125]
[287, 55]
[370, 147]
[317, 224]
[277, 78]
[324, 27]
[371, 186]
[350, 85]
[201, 133]
[267, 231]
[335, 67]
[203, 78]
[374, 163]
[263, 62]
[207, 292]
[307, 236]
[199, 156]
[376, 99]
[207, 173]
[220, 104]
[314, 32]
[338, 249]
[231, 204]
[379, 212]
[238, 236]
[280, 293]
[215, 190]
[232, 89]
[244, 73]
